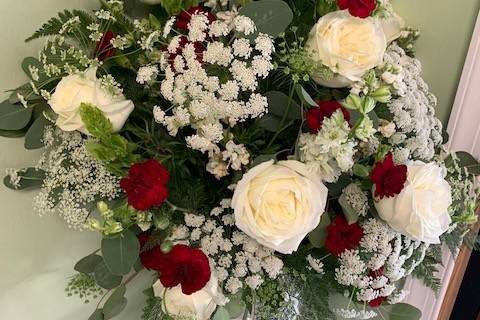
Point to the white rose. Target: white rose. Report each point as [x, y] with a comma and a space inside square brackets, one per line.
[73, 90]
[392, 26]
[279, 204]
[198, 306]
[350, 46]
[420, 211]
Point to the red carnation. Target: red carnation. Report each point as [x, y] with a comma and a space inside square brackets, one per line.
[388, 178]
[183, 266]
[146, 185]
[325, 109]
[358, 8]
[184, 17]
[341, 236]
[375, 303]
[104, 48]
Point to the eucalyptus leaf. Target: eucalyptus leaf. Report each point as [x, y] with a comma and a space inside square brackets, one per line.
[14, 116]
[120, 253]
[270, 122]
[278, 103]
[13, 133]
[263, 158]
[29, 178]
[34, 136]
[88, 264]
[236, 306]
[399, 311]
[306, 98]
[116, 303]
[361, 170]
[104, 278]
[96, 315]
[350, 214]
[271, 17]
[221, 314]
[318, 236]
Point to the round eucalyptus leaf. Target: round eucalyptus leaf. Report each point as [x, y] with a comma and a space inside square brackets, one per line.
[120, 253]
[115, 303]
[34, 136]
[88, 264]
[104, 278]
[318, 236]
[271, 17]
[278, 103]
[221, 314]
[28, 178]
[270, 122]
[14, 116]
[96, 315]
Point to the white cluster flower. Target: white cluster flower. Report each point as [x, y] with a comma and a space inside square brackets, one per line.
[104, 15]
[355, 314]
[356, 198]
[315, 264]
[414, 107]
[205, 101]
[147, 74]
[351, 268]
[73, 180]
[331, 151]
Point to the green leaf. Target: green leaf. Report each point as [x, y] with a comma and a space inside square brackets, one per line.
[104, 278]
[271, 17]
[13, 133]
[270, 122]
[278, 102]
[29, 178]
[221, 314]
[236, 306]
[326, 6]
[361, 170]
[350, 214]
[96, 315]
[304, 96]
[88, 264]
[31, 61]
[34, 136]
[120, 253]
[14, 116]
[263, 158]
[318, 236]
[97, 124]
[399, 311]
[116, 303]
[467, 161]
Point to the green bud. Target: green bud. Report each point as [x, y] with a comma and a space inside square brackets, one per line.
[361, 170]
[102, 207]
[353, 102]
[368, 104]
[166, 246]
[161, 222]
[94, 224]
[112, 227]
[382, 95]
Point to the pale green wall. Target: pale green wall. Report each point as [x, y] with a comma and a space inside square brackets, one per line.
[36, 254]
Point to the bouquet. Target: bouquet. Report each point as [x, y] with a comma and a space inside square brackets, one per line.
[259, 159]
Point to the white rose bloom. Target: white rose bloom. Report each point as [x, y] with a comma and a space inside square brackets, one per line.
[279, 204]
[420, 211]
[392, 26]
[350, 46]
[73, 90]
[197, 306]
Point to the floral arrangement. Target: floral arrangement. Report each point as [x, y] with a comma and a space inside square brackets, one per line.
[259, 159]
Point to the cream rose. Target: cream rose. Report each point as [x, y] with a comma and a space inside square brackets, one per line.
[73, 90]
[420, 211]
[198, 306]
[392, 26]
[279, 204]
[350, 46]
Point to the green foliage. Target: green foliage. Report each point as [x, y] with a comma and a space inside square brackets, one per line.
[83, 286]
[221, 314]
[96, 315]
[53, 26]
[279, 103]
[271, 17]
[326, 6]
[34, 135]
[112, 149]
[25, 179]
[407, 40]
[318, 236]
[14, 116]
[428, 269]
[115, 303]
[88, 264]
[174, 7]
[104, 278]
[153, 310]
[120, 252]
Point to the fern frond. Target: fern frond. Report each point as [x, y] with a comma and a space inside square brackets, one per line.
[55, 24]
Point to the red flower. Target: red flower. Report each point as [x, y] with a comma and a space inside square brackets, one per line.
[184, 17]
[388, 178]
[341, 236]
[358, 8]
[104, 48]
[146, 185]
[375, 303]
[183, 266]
[325, 109]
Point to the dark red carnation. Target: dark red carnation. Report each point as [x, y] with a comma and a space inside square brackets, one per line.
[104, 49]
[183, 266]
[388, 178]
[184, 17]
[375, 303]
[358, 8]
[146, 185]
[342, 236]
[325, 109]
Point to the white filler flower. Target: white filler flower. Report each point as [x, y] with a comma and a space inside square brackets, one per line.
[279, 204]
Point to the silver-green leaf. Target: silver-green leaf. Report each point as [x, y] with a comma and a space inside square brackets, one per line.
[120, 253]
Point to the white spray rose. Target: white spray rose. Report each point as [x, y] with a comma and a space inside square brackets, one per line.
[350, 46]
[279, 204]
[73, 90]
[420, 211]
[198, 306]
